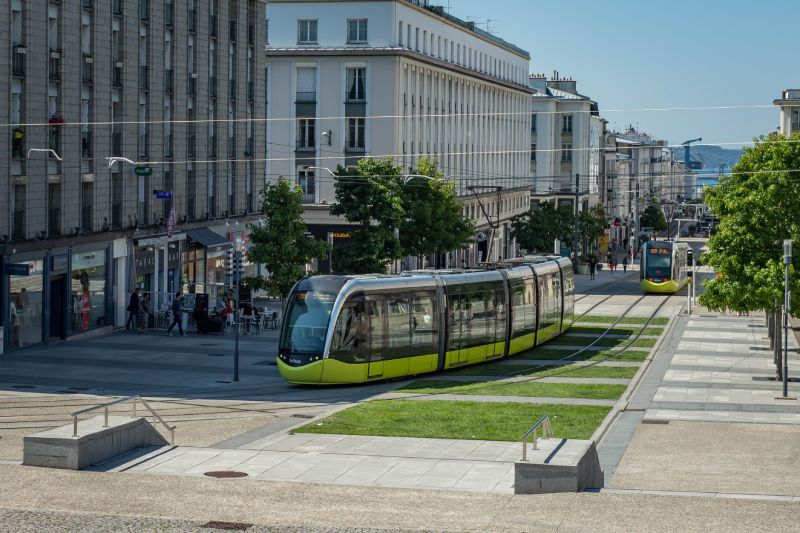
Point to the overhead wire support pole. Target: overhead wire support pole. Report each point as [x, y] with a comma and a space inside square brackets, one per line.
[577, 215]
[494, 226]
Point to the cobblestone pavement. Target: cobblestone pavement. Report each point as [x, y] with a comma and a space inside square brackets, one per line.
[21, 521]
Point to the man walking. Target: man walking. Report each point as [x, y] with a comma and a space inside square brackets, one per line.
[177, 312]
[592, 266]
[625, 264]
[133, 311]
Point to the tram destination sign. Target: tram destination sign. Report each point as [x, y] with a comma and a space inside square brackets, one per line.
[17, 269]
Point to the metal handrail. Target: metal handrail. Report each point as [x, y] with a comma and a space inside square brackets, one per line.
[105, 407]
[547, 433]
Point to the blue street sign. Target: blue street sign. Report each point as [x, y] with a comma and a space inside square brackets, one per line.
[18, 269]
[163, 195]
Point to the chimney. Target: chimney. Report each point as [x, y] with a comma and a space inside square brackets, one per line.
[563, 84]
[538, 82]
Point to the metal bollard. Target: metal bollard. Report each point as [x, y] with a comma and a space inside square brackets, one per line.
[106, 417]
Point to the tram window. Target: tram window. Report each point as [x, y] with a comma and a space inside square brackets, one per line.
[519, 310]
[530, 306]
[308, 316]
[350, 333]
[399, 332]
[479, 312]
[658, 263]
[377, 345]
[500, 316]
[424, 327]
[459, 321]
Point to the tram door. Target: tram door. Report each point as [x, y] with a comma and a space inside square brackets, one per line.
[374, 318]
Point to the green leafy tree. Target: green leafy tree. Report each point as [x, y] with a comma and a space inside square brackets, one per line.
[592, 223]
[537, 230]
[282, 243]
[433, 222]
[653, 217]
[369, 195]
[758, 207]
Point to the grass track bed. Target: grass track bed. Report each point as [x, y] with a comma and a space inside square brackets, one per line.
[602, 319]
[616, 330]
[524, 389]
[569, 371]
[459, 420]
[626, 356]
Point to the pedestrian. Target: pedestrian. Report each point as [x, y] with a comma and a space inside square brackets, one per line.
[592, 266]
[614, 263]
[177, 312]
[625, 264]
[144, 313]
[133, 311]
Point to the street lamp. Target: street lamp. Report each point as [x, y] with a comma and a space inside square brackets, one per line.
[787, 261]
[47, 150]
[112, 160]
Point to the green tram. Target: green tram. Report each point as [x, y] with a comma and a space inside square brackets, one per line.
[357, 329]
[663, 266]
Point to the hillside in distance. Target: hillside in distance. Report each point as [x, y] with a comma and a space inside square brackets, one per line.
[712, 156]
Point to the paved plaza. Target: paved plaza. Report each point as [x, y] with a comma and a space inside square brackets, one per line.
[699, 432]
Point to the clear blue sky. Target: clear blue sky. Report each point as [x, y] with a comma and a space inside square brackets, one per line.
[646, 54]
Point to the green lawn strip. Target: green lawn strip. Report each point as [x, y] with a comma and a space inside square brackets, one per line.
[601, 319]
[588, 355]
[530, 389]
[566, 340]
[568, 371]
[458, 420]
[616, 330]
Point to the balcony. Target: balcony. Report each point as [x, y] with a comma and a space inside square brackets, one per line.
[116, 75]
[18, 228]
[212, 87]
[86, 218]
[306, 145]
[168, 81]
[18, 60]
[54, 65]
[192, 86]
[144, 81]
[86, 69]
[116, 144]
[305, 97]
[86, 144]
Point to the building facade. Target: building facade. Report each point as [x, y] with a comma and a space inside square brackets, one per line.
[400, 79]
[789, 103]
[566, 143]
[172, 89]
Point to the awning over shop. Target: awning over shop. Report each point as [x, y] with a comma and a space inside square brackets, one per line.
[207, 238]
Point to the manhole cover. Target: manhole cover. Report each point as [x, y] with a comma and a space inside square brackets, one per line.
[655, 421]
[230, 526]
[223, 474]
[23, 386]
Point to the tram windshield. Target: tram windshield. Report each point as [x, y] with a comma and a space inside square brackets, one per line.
[307, 322]
[659, 262]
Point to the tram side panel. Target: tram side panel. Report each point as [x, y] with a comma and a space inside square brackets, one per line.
[523, 314]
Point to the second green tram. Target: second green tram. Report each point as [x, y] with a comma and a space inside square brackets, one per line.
[357, 329]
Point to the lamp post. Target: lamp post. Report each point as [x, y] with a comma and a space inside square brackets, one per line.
[787, 260]
[237, 278]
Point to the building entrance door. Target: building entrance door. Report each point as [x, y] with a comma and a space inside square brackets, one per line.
[58, 308]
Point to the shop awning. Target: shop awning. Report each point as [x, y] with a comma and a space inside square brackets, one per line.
[207, 238]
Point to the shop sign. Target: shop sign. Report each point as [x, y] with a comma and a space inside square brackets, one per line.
[18, 269]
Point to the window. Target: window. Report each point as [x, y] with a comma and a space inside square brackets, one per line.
[307, 182]
[533, 122]
[357, 31]
[307, 32]
[306, 134]
[356, 84]
[533, 153]
[355, 134]
[266, 31]
[566, 124]
[566, 152]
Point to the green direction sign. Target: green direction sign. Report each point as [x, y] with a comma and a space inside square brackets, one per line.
[143, 171]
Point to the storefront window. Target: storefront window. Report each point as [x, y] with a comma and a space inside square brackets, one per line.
[194, 272]
[216, 277]
[88, 290]
[26, 299]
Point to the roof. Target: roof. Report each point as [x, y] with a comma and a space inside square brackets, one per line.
[558, 93]
[207, 237]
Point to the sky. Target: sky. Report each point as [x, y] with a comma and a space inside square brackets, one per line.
[633, 54]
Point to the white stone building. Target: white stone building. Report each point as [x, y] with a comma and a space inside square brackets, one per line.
[789, 102]
[400, 79]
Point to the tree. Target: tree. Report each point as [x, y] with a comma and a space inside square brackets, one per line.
[592, 223]
[653, 217]
[369, 195]
[432, 222]
[282, 243]
[758, 207]
[537, 230]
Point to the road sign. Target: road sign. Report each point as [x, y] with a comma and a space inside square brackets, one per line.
[163, 195]
[143, 171]
[18, 269]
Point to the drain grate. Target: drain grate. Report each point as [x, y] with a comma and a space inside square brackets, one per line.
[225, 474]
[301, 415]
[655, 421]
[229, 526]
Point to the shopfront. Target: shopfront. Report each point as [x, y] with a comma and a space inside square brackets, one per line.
[24, 305]
[204, 268]
[89, 297]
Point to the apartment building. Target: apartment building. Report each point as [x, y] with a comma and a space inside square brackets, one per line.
[401, 79]
[171, 89]
[789, 103]
[566, 143]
